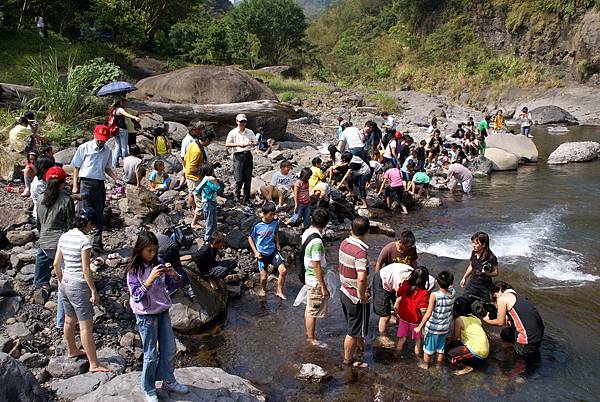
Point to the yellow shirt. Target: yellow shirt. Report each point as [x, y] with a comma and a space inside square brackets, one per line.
[498, 122]
[18, 137]
[160, 145]
[317, 176]
[193, 159]
[474, 337]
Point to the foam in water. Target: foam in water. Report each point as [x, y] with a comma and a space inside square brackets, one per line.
[531, 239]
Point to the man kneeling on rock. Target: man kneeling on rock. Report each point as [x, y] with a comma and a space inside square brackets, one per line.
[206, 260]
[458, 175]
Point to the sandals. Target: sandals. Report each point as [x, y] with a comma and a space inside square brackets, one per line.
[355, 364]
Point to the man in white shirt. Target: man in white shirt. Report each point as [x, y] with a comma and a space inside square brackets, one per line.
[353, 140]
[241, 140]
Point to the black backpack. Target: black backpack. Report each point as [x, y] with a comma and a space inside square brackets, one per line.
[302, 251]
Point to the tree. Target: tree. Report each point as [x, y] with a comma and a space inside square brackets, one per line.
[279, 25]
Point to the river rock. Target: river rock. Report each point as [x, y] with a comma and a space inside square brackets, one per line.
[284, 71]
[82, 384]
[206, 384]
[172, 163]
[13, 216]
[575, 152]
[149, 121]
[66, 367]
[518, 145]
[190, 316]
[381, 228]
[19, 330]
[18, 260]
[9, 305]
[552, 115]
[176, 131]
[65, 156]
[312, 372]
[17, 384]
[20, 237]
[432, 202]
[480, 165]
[142, 202]
[501, 159]
[33, 360]
[236, 240]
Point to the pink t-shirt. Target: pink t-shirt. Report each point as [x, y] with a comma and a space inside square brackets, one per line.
[394, 176]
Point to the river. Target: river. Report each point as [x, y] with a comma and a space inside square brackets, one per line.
[544, 224]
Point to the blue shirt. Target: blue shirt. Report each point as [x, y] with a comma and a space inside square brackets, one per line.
[263, 235]
[92, 161]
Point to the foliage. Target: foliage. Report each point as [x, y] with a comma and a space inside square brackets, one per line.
[96, 73]
[64, 133]
[384, 102]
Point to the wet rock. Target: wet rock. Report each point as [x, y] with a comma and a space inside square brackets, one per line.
[519, 145]
[33, 360]
[17, 384]
[433, 202]
[312, 372]
[381, 228]
[575, 152]
[19, 330]
[480, 165]
[65, 367]
[143, 203]
[206, 384]
[65, 156]
[20, 237]
[552, 115]
[189, 316]
[502, 160]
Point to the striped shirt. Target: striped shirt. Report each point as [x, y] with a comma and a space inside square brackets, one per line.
[353, 259]
[439, 322]
[71, 244]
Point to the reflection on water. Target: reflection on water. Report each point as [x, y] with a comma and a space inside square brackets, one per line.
[544, 224]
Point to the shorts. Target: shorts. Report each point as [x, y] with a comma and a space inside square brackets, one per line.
[316, 307]
[382, 299]
[406, 328]
[76, 299]
[434, 343]
[509, 334]
[192, 184]
[356, 315]
[466, 186]
[275, 259]
[397, 191]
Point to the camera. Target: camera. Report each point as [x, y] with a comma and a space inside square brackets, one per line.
[481, 307]
[486, 267]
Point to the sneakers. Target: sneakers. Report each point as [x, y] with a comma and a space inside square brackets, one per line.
[175, 387]
[189, 291]
[151, 397]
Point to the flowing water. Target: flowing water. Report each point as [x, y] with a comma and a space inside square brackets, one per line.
[544, 223]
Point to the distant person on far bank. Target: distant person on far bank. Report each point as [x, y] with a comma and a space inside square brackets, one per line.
[41, 26]
[526, 121]
[241, 140]
[92, 163]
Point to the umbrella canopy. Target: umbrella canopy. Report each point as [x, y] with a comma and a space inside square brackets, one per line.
[117, 87]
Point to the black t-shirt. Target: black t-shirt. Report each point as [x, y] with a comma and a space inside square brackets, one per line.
[436, 143]
[480, 284]
[205, 258]
[459, 133]
[421, 154]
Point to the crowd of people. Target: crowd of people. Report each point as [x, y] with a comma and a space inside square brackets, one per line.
[382, 160]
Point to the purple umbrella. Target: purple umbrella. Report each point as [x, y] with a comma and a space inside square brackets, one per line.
[117, 87]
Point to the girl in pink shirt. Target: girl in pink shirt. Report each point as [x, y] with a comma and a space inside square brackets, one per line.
[393, 176]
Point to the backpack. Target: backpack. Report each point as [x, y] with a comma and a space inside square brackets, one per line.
[113, 122]
[182, 235]
[301, 255]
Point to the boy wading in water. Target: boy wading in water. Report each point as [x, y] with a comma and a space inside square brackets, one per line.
[264, 242]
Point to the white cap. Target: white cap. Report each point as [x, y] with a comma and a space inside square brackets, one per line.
[241, 117]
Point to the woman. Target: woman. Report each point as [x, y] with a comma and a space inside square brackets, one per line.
[482, 268]
[118, 113]
[77, 287]
[525, 326]
[38, 184]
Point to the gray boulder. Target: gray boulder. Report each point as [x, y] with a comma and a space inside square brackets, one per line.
[172, 164]
[480, 165]
[13, 216]
[206, 384]
[284, 71]
[9, 305]
[575, 152]
[312, 372]
[501, 159]
[189, 316]
[17, 384]
[149, 121]
[143, 203]
[20, 237]
[18, 330]
[66, 367]
[65, 156]
[236, 240]
[552, 115]
[176, 131]
[519, 145]
[33, 360]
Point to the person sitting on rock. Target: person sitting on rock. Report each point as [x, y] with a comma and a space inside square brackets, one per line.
[133, 170]
[206, 261]
[159, 181]
[317, 173]
[265, 145]
[280, 187]
[161, 143]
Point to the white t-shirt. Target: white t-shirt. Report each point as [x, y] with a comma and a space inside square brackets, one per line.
[387, 153]
[235, 137]
[281, 180]
[71, 244]
[393, 275]
[353, 137]
[525, 120]
[185, 143]
[130, 164]
[390, 123]
[364, 168]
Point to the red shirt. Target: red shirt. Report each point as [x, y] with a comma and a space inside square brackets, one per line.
[410, 306]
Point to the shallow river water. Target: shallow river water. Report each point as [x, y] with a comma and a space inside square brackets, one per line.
[544, 222]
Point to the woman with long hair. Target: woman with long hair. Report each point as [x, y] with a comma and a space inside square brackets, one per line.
[118, 113]
[483, 266]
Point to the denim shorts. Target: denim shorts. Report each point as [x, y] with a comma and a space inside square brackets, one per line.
[275, 259]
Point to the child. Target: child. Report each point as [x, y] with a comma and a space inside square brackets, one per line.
[421, 155]
[150, 282]
[207, 190]
[159, 181]
[161, 144]
[393, 176]
[410, 305]
[317, 173]
[360, 175]
[437, 319]
[264, 145]
[302, 205]
[28, 173]
[133, 170]
[264, 242]
[281, 184]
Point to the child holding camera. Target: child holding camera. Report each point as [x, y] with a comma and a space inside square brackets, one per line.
[150, 282]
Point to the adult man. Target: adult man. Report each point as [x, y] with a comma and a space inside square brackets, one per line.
[483, 125]
[355, 294]
[402, 251]
[457, 174]
[315, 266]
[241, 140]
[281, 185]
[18, 136]
[389, 124]
[195, 156]
[352, 139]
[195, 129]
[92, 162]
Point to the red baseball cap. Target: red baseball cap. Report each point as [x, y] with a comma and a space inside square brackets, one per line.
[55, 173]
[399, 134]
[101, 132]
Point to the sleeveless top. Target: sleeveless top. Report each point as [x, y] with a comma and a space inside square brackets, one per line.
[526, 320]
[474, 337]
[439, 322]
[160, 145]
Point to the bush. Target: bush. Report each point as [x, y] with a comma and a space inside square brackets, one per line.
[64, 134]
[96, 73]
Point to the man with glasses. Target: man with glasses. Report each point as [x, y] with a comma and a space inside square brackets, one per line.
[241, 140]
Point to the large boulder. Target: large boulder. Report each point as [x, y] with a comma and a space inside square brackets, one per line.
[65, 156]
[585, 44]
[206, 384]
[501, 159]
[20, 237]
[519, 145]
[143, 203]
[189, 316]
[480, 165]
[575, 152]
[172, 163]
[552, 115]
[203, 85]
[13, 216]
[284, 71]
[17, 384]
[145, 67]
[176, 131]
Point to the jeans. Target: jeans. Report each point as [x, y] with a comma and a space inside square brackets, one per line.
[242, 173]
[43, 267]
[153, 329]
[303, 211]
[171, 255]
[210, 217]
[121, 146]
[60, 310]
[525, 130]
[361, 181]
[95, 199]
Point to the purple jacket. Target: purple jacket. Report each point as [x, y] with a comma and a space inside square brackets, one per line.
[144, 301]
